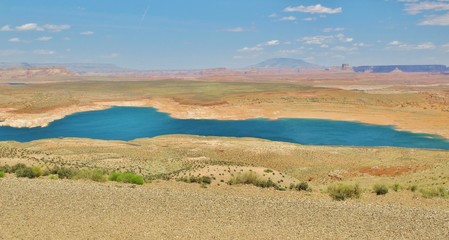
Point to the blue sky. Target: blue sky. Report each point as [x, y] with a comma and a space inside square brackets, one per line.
[193, 34]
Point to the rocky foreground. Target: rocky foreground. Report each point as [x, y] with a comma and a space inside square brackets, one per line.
[57, 209]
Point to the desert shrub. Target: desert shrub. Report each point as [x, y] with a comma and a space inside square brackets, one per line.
[96, 175]
[265, 183]
[2, 173]
[161, 176]
[206, 180]
[341, 192]
[6, 169]
[268, 170]
[193, 179]
[17, 167]
[37, 171]
[244, 178]
[302, 186]
[380, 189]
[252, 178]
[435, 192]
[130, 177]
[413, 188]
[64, 172]
[53, 177]
[25, 172]
[113, 176]
[396, 187]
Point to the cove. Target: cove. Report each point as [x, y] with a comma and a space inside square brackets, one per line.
[128, 123]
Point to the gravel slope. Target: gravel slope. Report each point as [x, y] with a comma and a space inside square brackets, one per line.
[46, 209]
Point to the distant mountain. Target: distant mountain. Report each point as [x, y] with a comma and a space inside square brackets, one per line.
[26, 72]
[402, 68]
[285, 63]
[74, 67]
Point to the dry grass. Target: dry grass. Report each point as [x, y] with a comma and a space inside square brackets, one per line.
[176, 155]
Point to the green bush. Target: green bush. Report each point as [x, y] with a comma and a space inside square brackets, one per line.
[244, 178]
[96, 175]
[2, 173]
[17, 167]
[438, 192]
[341, 192]
[64, 172]
[396, 187]
[25, 172]
[37, 171]
[113, 176]
[302, 186]
[6, 169]
[380, 189]
[265, 183]
[127, 177]
[53, 177]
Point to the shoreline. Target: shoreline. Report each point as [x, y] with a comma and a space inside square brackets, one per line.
[181, 111]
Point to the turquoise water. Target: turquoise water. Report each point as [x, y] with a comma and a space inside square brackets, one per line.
[127, 123]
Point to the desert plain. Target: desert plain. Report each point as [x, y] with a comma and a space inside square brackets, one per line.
[172, 204]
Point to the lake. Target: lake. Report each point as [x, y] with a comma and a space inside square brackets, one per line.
[127, 123]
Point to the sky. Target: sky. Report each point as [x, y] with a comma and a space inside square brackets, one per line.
[198, 34]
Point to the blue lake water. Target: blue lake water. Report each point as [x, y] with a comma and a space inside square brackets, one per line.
[127, 123]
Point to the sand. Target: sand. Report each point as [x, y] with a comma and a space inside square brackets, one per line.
[56, 209]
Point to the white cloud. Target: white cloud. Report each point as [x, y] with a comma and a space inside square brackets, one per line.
[6, 28]
[360, 45]
[418, 7]
[250, 49]
[44, 52]
[397, 45]
[314, 9]
[309, 19]
[446, 47]
[441, 20]
[236, 29]
[342, 38]
[10, 52]
[326, 39]
[36, 27]
[259, 47]
[44, 38]
[285, 52]
[56, 28]
[425, 46]
[433, 8]
[110, 56]
[87, 33]
[289, 18]
[345, 49]
[394, 43]
[317, 40]
[30, 27]
[14, 40]
[273, 15]
[339, 29]
[270, 43]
